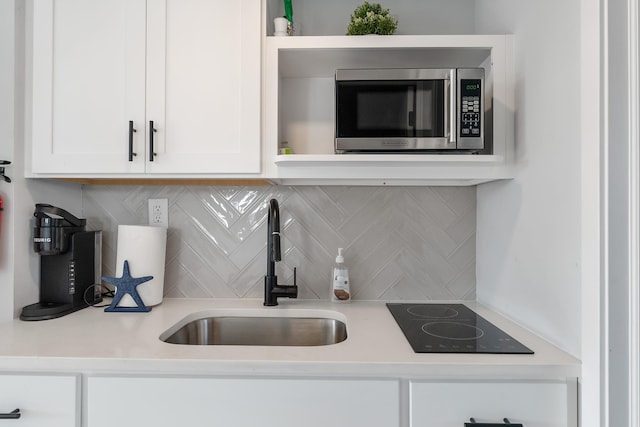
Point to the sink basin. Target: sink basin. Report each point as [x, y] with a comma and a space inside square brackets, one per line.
[225, 329]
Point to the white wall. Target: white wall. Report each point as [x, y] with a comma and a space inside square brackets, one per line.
[529, 228]
[19, 265]
[7, 53]
[540, 236]
[619, 209]
[622, 99]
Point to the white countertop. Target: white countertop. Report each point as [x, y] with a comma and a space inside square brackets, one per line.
[92, 341]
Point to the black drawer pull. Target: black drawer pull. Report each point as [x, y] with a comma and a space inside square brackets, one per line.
[13, 415]
[473, 423]
[131, 131]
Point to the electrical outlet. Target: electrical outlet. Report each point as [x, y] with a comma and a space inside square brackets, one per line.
[159, 212]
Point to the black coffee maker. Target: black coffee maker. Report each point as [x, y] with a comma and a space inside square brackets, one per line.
[70, 264]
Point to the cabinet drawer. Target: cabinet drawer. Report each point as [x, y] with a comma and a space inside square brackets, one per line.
[43, 400]
[532, 404]
[242, 402]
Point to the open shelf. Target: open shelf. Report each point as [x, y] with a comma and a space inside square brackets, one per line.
[299, 108]
[355, 160]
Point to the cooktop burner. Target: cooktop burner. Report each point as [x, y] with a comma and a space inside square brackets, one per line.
[451, 328]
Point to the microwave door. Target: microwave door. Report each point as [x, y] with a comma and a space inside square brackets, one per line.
[421, 111]
[432, 124]
[394, 110]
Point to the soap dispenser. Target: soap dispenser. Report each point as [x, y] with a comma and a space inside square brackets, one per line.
[340, 289]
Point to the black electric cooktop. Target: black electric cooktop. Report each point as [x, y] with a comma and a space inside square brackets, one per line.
[451, 328]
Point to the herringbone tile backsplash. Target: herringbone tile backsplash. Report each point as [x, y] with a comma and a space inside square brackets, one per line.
[399, 243]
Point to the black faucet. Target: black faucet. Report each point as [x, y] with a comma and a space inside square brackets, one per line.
[271, 288]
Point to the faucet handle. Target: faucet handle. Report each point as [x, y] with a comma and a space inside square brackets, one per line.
[291, 291]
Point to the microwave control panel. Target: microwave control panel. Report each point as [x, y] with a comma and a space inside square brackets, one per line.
[470, 108]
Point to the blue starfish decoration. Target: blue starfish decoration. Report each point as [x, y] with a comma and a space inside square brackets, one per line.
[127, 285]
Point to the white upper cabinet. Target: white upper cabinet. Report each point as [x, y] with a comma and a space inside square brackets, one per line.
[88, 83]
[103, 71]
[203, 85]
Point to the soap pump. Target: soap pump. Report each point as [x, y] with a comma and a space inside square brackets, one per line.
[340, 288]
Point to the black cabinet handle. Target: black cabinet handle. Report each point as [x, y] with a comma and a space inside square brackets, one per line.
[131, 131]
[152, 130]
[13, 415]
[507, 423]
[2, 175]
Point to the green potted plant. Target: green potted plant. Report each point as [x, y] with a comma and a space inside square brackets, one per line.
[371, 18]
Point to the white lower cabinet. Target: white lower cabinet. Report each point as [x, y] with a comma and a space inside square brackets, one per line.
[241, 402]
[42, 400]
[133, 401]
[532, 404]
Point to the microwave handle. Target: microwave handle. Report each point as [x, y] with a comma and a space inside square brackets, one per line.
[450, 107]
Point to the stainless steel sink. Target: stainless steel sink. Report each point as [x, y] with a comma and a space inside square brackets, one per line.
[257, 330]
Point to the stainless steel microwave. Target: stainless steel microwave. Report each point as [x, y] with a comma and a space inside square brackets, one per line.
[407, 110]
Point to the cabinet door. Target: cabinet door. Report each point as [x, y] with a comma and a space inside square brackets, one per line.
[88, 83]
[203, 85]
[170, 402]
[532, 404]
[42, 400]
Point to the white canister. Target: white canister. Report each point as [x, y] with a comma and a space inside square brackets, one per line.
[281, 25]
[144, 247]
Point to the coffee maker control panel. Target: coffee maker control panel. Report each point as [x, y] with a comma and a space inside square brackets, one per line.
[72, 277]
